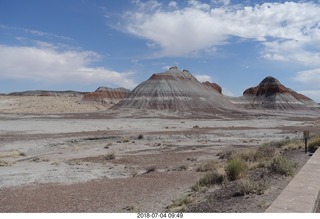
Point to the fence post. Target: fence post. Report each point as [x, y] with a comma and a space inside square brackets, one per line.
[306, 136]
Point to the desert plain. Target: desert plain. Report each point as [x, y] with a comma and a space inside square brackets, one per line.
[61, 154]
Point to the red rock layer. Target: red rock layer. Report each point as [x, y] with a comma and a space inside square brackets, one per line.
[103, 93]
[214, 86]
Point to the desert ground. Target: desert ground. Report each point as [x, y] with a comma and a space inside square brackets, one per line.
[59, 154]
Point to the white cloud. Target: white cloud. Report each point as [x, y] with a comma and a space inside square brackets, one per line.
[203, 78]
[229, 93]
[49, 64]
[310, 77]
[281, 28]
[35, 32]
[221, 2]
[173, 4]
[310, 80]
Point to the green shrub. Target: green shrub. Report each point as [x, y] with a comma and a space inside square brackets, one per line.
[236, 169]
[282, 166]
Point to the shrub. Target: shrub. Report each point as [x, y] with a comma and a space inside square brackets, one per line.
[140, 137]
[181, 168]
[110, 156]
[211, 178]
[236, 169]
[282, 166]
[314, 143]
[312, 147]
[252, 187]
[180, 204]
[247, 154]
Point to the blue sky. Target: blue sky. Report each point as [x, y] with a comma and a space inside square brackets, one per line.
[81, 45]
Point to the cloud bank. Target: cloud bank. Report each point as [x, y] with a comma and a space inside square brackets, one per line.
[51, 64]
[281, 28]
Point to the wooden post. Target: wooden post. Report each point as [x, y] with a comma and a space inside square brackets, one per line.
[305, 145]
[306, 136]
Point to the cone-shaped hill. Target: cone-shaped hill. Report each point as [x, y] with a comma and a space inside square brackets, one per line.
[175, 90]
[271, 94]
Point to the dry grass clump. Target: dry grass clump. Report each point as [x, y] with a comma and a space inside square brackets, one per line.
[236, 169]
[253, 187]
[209, 179]
[209, 166]
[4, 163]
[12, 153]
[181, 168]
[180, 204]
[125, 140]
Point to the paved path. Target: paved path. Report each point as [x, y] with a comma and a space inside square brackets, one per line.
[302, 193]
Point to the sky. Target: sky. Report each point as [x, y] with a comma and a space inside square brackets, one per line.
[84, 44]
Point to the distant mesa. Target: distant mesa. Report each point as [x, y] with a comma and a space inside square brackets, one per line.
[271, 94]
[175, 90]
[107, 95]
[68, 93]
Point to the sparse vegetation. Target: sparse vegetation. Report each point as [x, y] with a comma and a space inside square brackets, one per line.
[265, 153]
[4, 163]
[140, 137]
